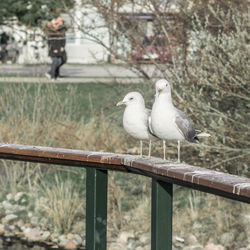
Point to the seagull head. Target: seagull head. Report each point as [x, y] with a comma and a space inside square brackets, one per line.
[162, 86]
[132, 98]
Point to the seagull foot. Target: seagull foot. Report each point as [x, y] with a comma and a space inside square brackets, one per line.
[163, 161]
[139, 157]
[179, 162]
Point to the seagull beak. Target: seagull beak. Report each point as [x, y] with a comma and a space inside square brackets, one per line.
[120, 103]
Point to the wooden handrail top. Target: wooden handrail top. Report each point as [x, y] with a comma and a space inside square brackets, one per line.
[210, 181]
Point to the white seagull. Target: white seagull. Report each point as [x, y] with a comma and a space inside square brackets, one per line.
[168, 122]
[136, 119]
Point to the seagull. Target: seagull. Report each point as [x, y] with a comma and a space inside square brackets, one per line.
[136, 119]
[170, 123]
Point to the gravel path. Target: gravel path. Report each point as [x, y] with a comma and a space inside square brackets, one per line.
[73, 73]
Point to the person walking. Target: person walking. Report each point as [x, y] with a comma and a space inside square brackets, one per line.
[55, 31]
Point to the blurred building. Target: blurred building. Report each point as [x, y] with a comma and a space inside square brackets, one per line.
[31, 45]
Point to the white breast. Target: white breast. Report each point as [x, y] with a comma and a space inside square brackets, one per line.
[163, 121]
[135, 122]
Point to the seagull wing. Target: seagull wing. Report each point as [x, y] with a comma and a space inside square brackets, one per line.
[150, 130]
[185, 126]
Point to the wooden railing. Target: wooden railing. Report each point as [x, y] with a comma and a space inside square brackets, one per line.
[163, 174]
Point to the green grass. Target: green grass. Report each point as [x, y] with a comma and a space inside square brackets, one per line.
[77, 102]
[84, 98]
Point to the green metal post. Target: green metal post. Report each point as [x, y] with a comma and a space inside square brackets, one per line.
[161, 215]
[96, 209]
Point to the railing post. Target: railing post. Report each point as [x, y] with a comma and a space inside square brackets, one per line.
[161, 215]
[96, 209]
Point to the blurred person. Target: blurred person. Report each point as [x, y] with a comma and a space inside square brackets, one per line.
[55, 31]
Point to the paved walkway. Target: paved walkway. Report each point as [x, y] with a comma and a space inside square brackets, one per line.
[73, 73]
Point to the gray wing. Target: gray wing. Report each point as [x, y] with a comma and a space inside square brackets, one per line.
[185, 126]
[150, 130]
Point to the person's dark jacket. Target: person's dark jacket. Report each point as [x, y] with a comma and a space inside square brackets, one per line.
[56, 41]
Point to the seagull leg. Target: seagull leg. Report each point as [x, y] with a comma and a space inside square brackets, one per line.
[149, 149]
[179, 152]
[141, 148]
[164, 150]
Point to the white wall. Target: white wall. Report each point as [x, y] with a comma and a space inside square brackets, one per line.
[85, 53]
[81, 49]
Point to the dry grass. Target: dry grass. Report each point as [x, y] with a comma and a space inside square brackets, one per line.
[39, 116]
[18, 176]
[209, 217]
[60, 203]
[129, 205]
[46, 119]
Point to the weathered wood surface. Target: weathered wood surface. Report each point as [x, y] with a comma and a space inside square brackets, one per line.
[226, 185]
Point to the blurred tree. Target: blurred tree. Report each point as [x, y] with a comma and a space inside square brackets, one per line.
[31, 13]
[208, 45]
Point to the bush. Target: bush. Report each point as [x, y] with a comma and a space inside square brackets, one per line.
[214, 84]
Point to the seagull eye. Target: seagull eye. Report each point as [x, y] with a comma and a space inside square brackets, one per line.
[131, 98]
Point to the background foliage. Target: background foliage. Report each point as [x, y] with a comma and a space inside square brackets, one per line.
[31, 13]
